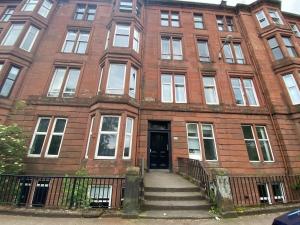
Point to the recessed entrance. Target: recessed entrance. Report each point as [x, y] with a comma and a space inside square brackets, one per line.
[159, 147]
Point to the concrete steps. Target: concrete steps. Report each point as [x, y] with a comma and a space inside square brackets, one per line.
[168, 195]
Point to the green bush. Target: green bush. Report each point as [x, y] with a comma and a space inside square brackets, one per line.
[12, 149]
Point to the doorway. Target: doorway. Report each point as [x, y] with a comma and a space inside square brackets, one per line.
[159, 145]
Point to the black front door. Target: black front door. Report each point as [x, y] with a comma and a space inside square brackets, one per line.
[159, 150]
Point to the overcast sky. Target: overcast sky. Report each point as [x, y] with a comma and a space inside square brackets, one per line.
[292, 6]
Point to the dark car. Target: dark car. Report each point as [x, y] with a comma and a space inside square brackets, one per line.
[290, 218]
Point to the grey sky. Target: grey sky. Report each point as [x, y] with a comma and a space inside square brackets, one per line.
[292, 6]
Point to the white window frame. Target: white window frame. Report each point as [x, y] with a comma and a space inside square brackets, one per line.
[194, 156]
[100, 78]
[7, 13]
[277, 17]
[241, 89]
[166, 56]
[108, 132]
[39, 133]
[209, 138]
[130, 136]
[32, 41]
[180, 56]
[295, 29]
[254, 138]
[253, 90]
[44, 6]
[171, 84]
[184, 87]
[107, 39]
[89, 137]
[107, 90]
[8, 34]
[269, 143]
[101, 191]
[28, 2]
[57, 134]
[132, 93]
[66, 82]
[285, 77]
[127, 35]
[215, 88]
[268, 193]
[136, 40]
[198, 19]
[283, 195]
[261, 20]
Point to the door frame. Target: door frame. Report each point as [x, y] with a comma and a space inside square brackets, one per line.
[167, 131]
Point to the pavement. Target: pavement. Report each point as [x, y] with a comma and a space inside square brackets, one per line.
[264, 219]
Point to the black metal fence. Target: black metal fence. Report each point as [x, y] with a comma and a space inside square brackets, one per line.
[62, 192]
[247, 191]
[194, 170]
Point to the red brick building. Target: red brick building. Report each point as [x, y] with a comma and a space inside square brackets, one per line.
[103, 83]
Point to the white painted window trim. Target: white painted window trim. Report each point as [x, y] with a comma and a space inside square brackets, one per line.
[210, 138]
[89, 137]
[253, 90]
[53, 76]
[107, 91]
[285, 77]
[108, 132]
[28, 3]
[268, 193]
[71, 40]
[100, 79]
[107, 39]
[254, 139]
[184, 86]
[43, 6]
[268, 140]
[241, 89]
[57, 134]
[127, 35]
[174, 39]
[136, 39]
[68, 77]
[260, 21]
[32, 41]
[215, 88]
[130, 135]
[100, 191]
[194, 156]
[9, 32]
[165, 56]
[171, 85]
[35, 133]
[132, 94]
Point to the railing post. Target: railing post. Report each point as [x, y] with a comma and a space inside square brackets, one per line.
[224, 198]
[72, 193]
[131, 205]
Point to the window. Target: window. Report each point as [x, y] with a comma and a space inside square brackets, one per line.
[175, 19]
[193, 141]
[292, 88]
[89, 138]
[233, 53]
[167, 88]
[128, 138]
[264, 143]
[100, 196]
[250, 143]
[198, 21]
[100, 78]
[262, 139]
[116, 79]
[126, 6]
[241, 86]
[29, 5]
[107, 39]
[138, 9]
[45, 8]
[9, 81]
[12, 35]
[1, 65]
[136, 40]
[29, 39]
[209, 142]
[76, 42]
[210, 91]
[122, 35]
[203, 51]
[264, 194]
[289, 46]
[225, 23]
[276, 51]
[39, 136]
[167, 18]
[108, 137]
[171, 48]
[262, 19]
[8, 13]
[278, 192]
[275, 17]
[295, 30]
[132, 82]
[56, 137]
[68, 77]
[85, 12]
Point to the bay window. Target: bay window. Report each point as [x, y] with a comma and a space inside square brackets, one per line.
[289, 46]
[136, 40]
[9, 11]
[122, 34]
[295, 29]
[13, 34]
[29, 5]
[9, 81]
[262, 19]
[274, 46]
[45, 8]
[292, 88]
[275, 17]
[128, 138]
[30, 38]
[132, 82]
[116, 79]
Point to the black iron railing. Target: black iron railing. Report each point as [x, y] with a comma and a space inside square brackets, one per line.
[194, 170]
[247, 191]
[62, 192]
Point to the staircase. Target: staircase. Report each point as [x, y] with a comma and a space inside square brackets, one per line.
[167, 195]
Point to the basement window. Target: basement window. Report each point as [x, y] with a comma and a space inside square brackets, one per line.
[100, 196]
[264, 194]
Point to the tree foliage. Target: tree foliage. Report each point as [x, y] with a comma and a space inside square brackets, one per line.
[12, 149]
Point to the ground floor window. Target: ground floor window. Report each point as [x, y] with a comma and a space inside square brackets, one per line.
[264, 194]
[278, 192]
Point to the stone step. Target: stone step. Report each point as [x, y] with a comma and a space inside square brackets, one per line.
[167, 189]
[176, 205]
[169, 196]
[176, 214]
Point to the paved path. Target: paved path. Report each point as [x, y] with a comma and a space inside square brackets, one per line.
[26, 220]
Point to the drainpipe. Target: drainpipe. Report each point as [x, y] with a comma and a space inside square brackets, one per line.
[265, 95]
